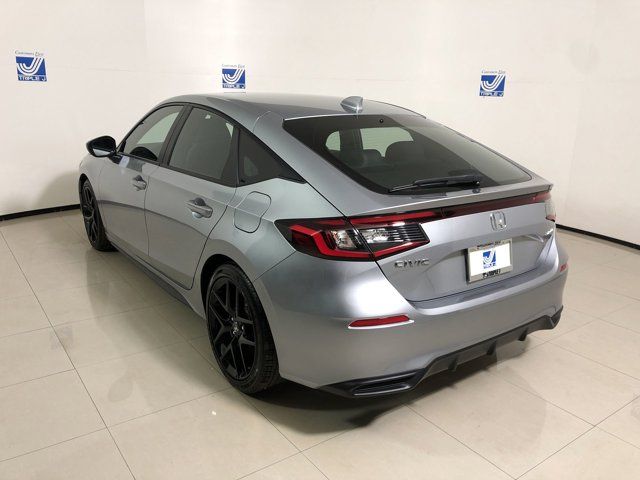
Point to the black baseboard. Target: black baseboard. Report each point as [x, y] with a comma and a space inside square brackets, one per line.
[40, 211]
[601, 237]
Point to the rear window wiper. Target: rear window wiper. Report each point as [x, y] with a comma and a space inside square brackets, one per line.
[437, 182]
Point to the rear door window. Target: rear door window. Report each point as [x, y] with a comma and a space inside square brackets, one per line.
[206, 147]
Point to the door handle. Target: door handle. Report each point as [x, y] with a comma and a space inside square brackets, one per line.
[138, 183]
[199, 208]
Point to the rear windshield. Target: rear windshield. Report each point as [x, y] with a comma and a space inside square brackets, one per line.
[383, 152]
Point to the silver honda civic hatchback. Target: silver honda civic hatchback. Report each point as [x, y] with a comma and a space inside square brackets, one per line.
[344, 244]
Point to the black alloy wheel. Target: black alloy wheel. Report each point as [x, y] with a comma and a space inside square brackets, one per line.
[238, 331]
[92, 220]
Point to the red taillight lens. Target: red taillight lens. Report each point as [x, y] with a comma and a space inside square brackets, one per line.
[359, 238]
[331, 238]
[379, 322]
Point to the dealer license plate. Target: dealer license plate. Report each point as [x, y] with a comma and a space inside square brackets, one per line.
[486, 261]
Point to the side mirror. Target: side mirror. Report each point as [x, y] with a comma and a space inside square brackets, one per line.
[102, 146]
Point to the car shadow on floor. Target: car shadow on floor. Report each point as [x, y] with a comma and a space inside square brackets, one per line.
[313, 412]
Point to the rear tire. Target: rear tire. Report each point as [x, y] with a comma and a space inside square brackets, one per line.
[239, 332]
[92, 220]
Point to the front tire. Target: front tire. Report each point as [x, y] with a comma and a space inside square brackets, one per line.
[239, 333]
[92, 220]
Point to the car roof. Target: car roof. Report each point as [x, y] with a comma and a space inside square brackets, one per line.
[251, 106]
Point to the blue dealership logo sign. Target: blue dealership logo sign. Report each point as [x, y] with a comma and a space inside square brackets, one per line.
[488, 259]
[31, 67]
[492, 83]
[233, 76]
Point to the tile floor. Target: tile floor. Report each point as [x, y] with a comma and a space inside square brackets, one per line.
[103, 375]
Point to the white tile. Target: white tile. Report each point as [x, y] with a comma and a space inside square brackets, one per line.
[297, 467]
[592, 300]
[149, 290]
[54, 252]
[13, 284]
[512, 428]
[75, 221]
[625, 423]
[123, 265]
[89, 301]
[8, 263]
[30, 355]
[219, 436]
[138, 279]
[613, 346]
[629, 262]
[45, 411]
[590, 250]
[35, 230]
[114, 336]
[611, 279]
[203, 346]
[54, 276]
[400, 445]
[594, 456]
[139, 384]
[183, 319]
[628, 317]
[288, 406]
[3, 245]
[93, 456]
[570, 320]
[573, 383]
[21, 314]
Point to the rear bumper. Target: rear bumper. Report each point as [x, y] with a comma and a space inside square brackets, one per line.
[310, 302]
[384, 385]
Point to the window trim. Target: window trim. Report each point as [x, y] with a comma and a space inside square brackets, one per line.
[167, 139]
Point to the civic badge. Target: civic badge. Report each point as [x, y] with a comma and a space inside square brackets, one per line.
[498, 221]
[419, 262]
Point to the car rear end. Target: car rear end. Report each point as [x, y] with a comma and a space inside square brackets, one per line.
[419, 276]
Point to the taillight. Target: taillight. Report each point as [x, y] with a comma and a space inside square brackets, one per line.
[329, 238]
[358, 238]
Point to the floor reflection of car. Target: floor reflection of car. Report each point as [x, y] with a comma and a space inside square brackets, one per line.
[344, 244]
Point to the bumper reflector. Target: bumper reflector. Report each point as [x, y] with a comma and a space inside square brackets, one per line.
[380, 322]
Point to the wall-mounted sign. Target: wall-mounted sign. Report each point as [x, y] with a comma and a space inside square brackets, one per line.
[492, 83]
[233, 76]
[31, 67]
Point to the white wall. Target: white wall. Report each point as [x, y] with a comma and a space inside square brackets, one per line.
[571, 109]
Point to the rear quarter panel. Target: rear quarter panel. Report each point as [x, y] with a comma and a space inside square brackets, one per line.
[258, 251]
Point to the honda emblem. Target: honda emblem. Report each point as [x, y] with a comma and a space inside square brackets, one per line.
[498, 221]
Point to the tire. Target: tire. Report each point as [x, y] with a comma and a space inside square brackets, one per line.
[239, 332]
[92, 219]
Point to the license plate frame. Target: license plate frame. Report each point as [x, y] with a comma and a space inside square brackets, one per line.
[477, 261]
